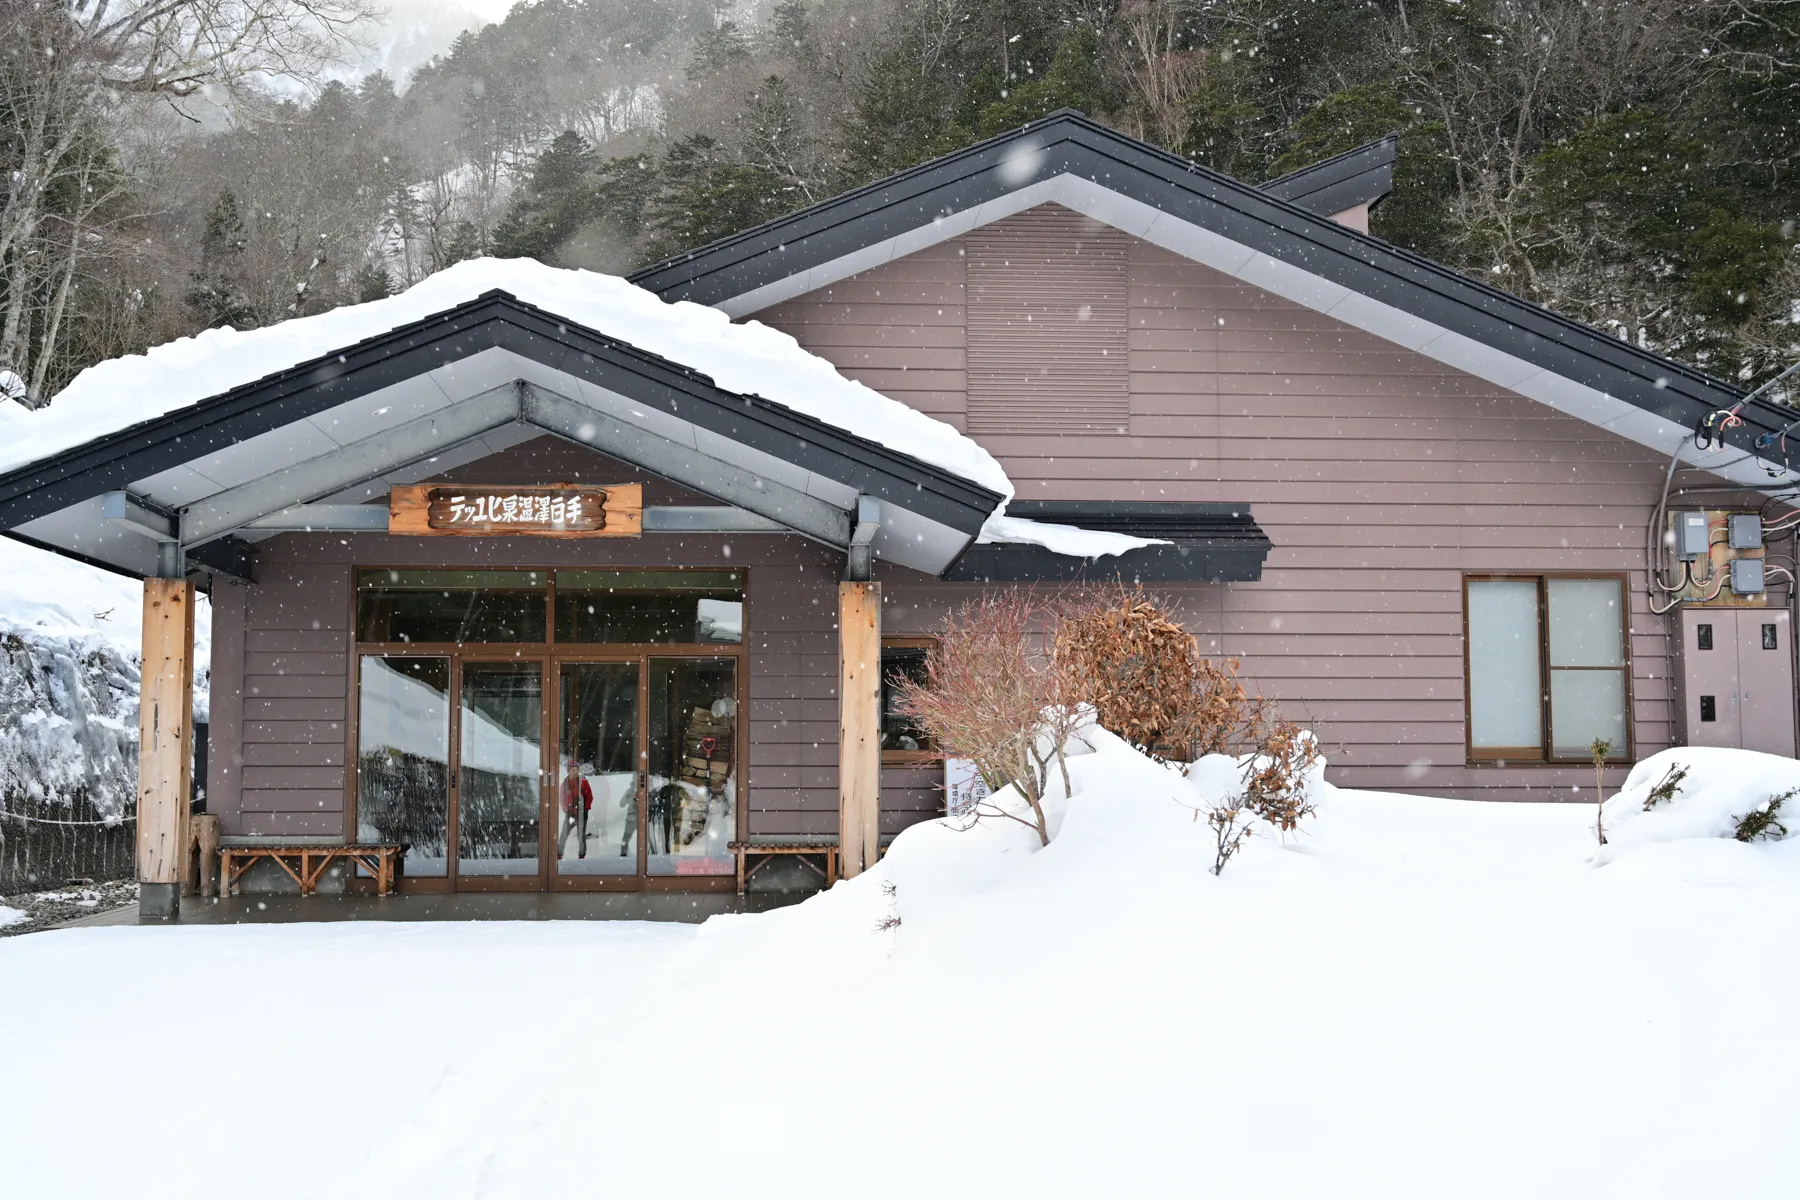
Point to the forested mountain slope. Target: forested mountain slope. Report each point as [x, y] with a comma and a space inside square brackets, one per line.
[1627, 162]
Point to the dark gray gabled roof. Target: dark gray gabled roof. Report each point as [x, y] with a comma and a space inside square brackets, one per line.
[1206, 543]
[495, 320]
[1360, 176]
[1584, 371]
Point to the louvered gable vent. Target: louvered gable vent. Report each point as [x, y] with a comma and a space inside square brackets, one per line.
[1047, 325]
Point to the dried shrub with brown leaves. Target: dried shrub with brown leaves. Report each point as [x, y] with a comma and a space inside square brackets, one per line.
[1011, 678]
[1275, 775]
[1274, 790]
[1146, 678]
[1131, 662]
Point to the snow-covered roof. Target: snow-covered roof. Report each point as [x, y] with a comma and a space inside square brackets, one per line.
[748, 358]
[210, 435]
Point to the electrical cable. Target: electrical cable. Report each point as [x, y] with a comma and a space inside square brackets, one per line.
[1687, 578]
[1763, 441]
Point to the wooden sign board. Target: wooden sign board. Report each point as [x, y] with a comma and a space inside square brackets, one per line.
[553, 510]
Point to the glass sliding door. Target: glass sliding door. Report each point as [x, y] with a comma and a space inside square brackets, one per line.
[690, 815]
[500, 769]
[597, 818]
[403, 758]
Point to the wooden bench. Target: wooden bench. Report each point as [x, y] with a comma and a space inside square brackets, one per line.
[768, 846]
[305, 864]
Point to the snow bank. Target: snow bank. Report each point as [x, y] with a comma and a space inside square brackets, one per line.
[1720, 787]
[748, 358]
[1365, 1010]
[11, 916]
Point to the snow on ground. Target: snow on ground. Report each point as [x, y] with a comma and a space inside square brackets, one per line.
[747, 358]
[1411, 998]
[12, 916]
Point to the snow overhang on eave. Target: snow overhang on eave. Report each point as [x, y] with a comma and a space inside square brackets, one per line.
[1189, 543]
[1251, 235]
[413, 402]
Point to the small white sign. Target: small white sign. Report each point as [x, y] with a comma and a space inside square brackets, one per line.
[963, 787]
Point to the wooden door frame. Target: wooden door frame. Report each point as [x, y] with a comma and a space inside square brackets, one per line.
[485, 883]
[552, 655]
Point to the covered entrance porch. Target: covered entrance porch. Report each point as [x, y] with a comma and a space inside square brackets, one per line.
[531, 700]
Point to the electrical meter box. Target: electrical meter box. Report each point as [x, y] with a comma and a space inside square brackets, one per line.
[1745, 531]
[1735, 677]
[1746, 576]
[1691, 540]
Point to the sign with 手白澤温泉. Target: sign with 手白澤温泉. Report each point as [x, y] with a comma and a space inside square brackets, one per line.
[538, 510]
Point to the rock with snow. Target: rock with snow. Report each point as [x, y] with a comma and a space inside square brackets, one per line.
[70, 645]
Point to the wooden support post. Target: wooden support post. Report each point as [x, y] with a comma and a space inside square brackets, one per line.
[165, 745]
[859, 726]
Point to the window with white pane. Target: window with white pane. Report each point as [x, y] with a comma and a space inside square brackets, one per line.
[1547, 667]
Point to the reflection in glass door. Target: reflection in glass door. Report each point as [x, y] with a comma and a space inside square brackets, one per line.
[499, 790]
[691, 806]
[596, 789]
[403, 758]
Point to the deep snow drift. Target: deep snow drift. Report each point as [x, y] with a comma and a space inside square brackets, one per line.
[1410, 998]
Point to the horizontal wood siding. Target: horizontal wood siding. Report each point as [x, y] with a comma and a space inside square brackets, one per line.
[292, 741]
[1380, 475]
[224, 731]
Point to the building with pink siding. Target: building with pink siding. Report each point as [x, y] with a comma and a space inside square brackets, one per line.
[1425, 516]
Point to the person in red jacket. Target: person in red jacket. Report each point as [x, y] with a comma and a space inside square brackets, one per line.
[577, 802]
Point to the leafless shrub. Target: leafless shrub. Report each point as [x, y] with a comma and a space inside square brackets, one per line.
[991, 697]
[891, 921]
[1232, 821]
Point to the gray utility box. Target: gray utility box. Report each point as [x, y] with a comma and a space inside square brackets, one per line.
[1736, 679]
[1692, 536]
[1744, 531]
[1746, 576]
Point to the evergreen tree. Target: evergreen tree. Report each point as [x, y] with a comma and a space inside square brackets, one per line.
[1417, 213]
[555, 202]
[717, 48]
[372, 282]
[216, 291]
[789, 29]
